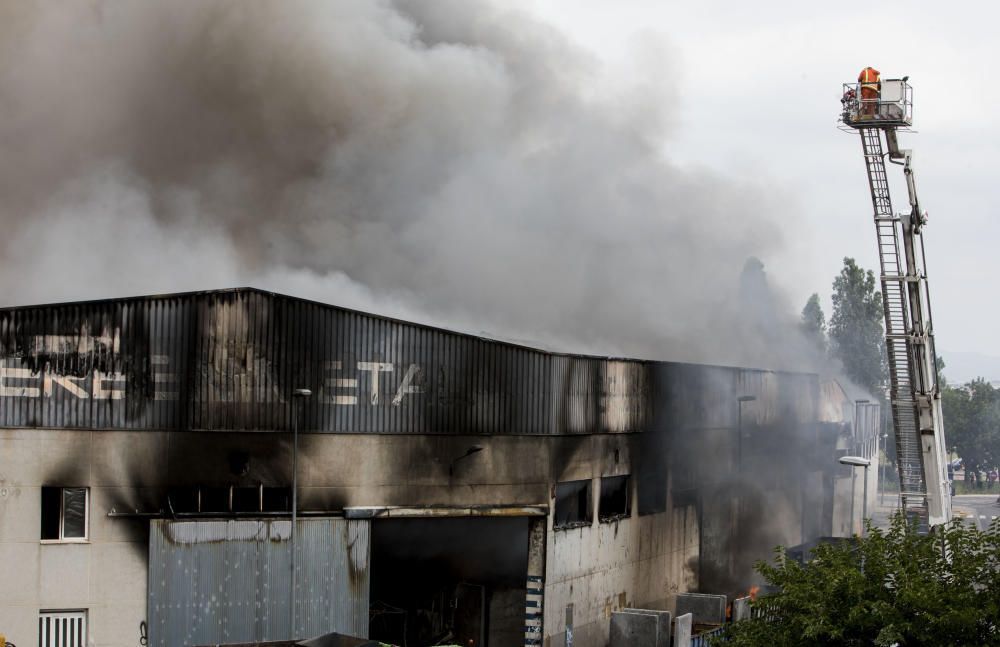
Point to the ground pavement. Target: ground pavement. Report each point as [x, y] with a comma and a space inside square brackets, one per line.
[976, 509]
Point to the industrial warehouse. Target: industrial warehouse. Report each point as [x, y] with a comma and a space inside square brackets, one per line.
[237, 465]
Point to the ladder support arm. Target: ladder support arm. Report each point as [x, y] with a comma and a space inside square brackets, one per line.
[915, 397]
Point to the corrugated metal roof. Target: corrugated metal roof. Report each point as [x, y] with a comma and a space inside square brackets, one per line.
[230, 359]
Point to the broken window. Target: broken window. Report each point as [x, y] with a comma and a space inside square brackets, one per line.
[246, 499]
[64, 513]
[573, 504]
[614, 502]
[215, 499]
[228, 499]
[276, 499]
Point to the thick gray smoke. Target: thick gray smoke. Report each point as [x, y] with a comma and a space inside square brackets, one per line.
[452, 162]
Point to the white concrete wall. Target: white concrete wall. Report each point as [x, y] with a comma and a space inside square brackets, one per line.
[131, 470]
[107, 575]
[601, 568]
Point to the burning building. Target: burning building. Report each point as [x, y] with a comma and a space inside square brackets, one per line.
[446, 486]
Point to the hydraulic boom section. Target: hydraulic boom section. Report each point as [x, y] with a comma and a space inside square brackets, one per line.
[915, 395]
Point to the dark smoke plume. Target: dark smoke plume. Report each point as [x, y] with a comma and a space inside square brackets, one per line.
[453, 162]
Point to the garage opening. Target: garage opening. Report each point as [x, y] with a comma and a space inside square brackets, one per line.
[448, 581]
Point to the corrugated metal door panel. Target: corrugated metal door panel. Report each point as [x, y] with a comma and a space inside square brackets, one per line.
[332, 578]
[228, 581]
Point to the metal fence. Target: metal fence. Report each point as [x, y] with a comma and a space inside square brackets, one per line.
[704, 639]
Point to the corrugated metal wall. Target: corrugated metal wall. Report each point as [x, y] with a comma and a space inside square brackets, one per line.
[228, 581]
[229, 360]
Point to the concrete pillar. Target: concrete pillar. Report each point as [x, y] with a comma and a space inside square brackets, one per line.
[682, 630]
[741, 609]
[533, 605]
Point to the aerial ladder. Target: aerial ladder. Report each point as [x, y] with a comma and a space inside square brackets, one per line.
[877, 111]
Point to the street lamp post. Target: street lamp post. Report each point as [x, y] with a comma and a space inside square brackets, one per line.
[297, 396]
[858, 461]
[882, 460]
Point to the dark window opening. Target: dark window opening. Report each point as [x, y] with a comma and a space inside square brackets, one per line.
[64, 513]
[183, 499]
[247, 499]
[214, 499]
[615, 501]
[573, 504]
[652, 493]
[277, 499]
[51, 502]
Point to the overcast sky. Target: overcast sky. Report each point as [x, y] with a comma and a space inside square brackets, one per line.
[759, 85]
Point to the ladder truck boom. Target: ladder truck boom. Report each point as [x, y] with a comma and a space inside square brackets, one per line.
[877, 109]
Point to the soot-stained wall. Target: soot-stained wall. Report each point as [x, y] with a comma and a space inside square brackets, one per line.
[743, 457]
[229, 360]
[135, 397]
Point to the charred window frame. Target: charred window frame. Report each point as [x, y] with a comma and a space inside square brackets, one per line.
[229, 500]
[574, 504]
[65, 514]
[616, 500]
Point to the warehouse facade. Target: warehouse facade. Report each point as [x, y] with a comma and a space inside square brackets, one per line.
[447, 485]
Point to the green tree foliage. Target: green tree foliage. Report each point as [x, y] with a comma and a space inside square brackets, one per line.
[813, 323]
[893, 587]
[856, 333]
[972, 423]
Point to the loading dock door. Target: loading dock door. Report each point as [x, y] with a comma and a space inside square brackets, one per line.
[456, 580]
[214, 582]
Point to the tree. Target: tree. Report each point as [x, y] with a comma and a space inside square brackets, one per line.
[893, 587]
[813, 324]
[856, 333]
[972, 424]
